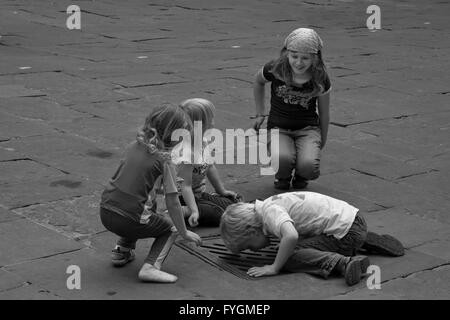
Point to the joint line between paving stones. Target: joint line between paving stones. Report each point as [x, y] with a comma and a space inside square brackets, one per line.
[396, 278]
[43, 257]
[23, 284]
[400, 117]
[45, 203]
[369, 174]
[417, 174]
[416, 272]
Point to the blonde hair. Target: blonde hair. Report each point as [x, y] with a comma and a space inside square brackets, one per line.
[156, 133]
[236, 224]
[199, 109]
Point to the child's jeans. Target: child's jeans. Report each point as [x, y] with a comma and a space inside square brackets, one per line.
[159, 227]
[299, 150]
[210, 208]
[319, 255]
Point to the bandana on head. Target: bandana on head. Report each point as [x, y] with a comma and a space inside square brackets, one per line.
[303, 40]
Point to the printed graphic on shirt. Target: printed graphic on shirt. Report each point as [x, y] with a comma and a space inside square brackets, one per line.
[294, 97]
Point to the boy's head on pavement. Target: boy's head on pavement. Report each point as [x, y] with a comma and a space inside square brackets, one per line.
[241, 228]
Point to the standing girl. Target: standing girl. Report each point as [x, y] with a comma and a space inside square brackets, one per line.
[202, 208]
[147, 161]
[299, 107]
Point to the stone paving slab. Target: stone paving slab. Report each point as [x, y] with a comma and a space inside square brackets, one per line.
[437, 248]
[9, 281]
[400, 148]
[16, 171]
[372, 103]
[31, 241]
[438, 161]
[389, 194]
[64, 88]
[422, 130]
[28, 292]
[76, 218]
[426, 285]
[71, 154]
[435, 182]
[40, 110]
[411, 230]
[8, 154]
[99, 280]
[31, 192]
[14, 127]
[6, 216]
[379, 165]
[8, 91]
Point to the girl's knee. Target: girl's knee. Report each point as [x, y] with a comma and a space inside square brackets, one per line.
[308, 170]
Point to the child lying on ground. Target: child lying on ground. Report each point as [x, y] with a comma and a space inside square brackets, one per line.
[318, 235]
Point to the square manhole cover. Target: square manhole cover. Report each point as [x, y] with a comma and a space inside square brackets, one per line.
[214, 252]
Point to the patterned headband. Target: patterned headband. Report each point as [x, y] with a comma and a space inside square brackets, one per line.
[303, 40]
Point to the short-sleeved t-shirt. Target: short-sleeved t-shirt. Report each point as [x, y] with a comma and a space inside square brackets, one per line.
[127, 191]
[292, 107]
[311, 213]
[199, 169]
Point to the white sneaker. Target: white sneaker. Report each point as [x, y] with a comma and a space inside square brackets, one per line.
[149, 273]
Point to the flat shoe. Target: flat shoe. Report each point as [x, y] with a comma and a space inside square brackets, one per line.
[383, 244]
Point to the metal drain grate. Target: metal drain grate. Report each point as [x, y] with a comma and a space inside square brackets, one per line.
[214, 252]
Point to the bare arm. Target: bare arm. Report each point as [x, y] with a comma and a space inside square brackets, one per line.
[185, 172]
[216, 182]
[289, 237]
[214, 178]
[259, 95]
[324, 116]
[176, 214]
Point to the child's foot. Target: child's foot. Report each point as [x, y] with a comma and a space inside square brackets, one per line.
[299, 183]
[149, 273]
[364, 263]
[383, 244]
[121, 256]
[282, 184]
[355, 268]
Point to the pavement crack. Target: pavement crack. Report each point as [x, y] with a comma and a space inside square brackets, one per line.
[21, 285]
[17, 159]
[234, 78]
[417, 174]
[368, 174]
[400, 117]
[348, 75]
[231, 67]
[201, 9]
[152, 39]
[56, 254]
[41, 204]
[154, 84]
[411, 274]
[284, 20]
[423, 243]
[317, 4]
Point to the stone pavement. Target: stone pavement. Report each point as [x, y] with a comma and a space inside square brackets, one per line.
[70, 100]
